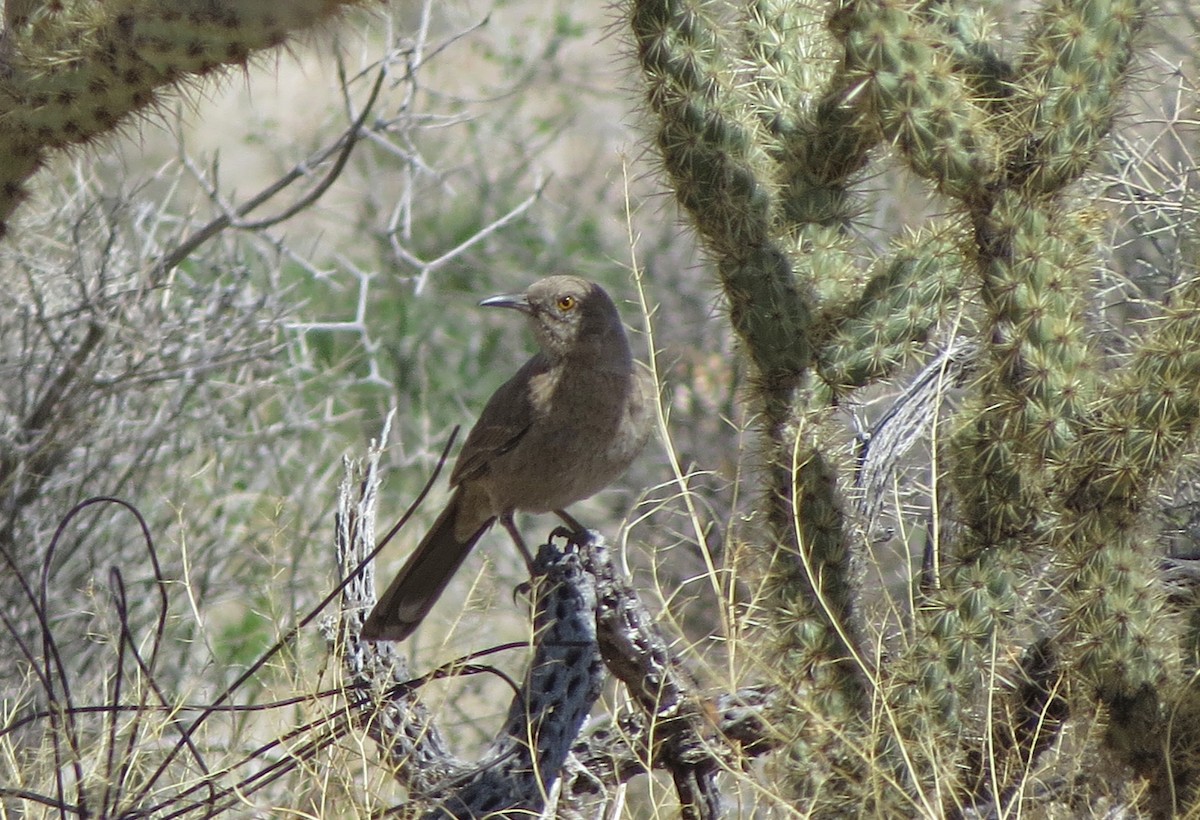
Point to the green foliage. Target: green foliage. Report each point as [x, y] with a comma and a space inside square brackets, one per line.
[767, 119]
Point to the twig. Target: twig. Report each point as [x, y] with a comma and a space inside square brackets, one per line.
[343, 146]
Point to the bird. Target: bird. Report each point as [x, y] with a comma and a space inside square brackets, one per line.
[565, 426]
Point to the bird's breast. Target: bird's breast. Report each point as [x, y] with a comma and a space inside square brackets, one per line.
[586, 430]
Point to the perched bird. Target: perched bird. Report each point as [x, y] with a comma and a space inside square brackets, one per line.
[563, 428]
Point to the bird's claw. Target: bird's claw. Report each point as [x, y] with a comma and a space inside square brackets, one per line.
[574, 538]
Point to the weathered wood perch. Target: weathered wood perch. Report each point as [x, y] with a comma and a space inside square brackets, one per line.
[585, 612]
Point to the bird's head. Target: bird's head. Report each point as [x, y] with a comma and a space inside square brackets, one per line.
[570, 316]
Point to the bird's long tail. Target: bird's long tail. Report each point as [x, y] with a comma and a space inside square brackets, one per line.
[423, 578]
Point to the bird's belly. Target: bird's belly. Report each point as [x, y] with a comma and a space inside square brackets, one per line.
[565, 472]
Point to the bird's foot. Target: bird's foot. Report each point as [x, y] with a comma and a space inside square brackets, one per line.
[574, 532]
[575, 538]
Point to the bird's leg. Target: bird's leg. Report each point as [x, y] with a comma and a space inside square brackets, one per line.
[506, 521]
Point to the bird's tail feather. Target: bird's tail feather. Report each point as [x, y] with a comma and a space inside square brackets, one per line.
[422, 579]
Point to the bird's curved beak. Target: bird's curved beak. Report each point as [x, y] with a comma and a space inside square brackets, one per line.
[516, 301]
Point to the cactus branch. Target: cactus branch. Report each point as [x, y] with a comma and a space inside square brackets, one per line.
[72, 72]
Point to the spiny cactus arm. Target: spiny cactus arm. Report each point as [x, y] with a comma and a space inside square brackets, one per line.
[1070, 76]
[810, 591]
[969, 34]
[1118, 635]
[1117, 632]
[1035, 379]
[1033, 260]
[814, 650]
[1032, 387]
[1140, 429]
[896, 311]
[1074, 65]
[723, 179]
[1034, 256]
[72, 71]
[900, 76]
[1031, 391]
[816, 139]
[1147, 418]
[708, 144]
[783, 49]
[820, 159]
[729, 162]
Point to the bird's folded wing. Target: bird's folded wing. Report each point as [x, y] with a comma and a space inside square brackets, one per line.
[483, 445]
[503, 422]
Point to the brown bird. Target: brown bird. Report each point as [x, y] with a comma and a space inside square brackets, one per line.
[563, 428]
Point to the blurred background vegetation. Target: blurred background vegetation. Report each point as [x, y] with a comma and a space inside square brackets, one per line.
[218, 398]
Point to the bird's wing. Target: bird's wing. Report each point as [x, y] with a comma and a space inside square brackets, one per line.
[505, 419]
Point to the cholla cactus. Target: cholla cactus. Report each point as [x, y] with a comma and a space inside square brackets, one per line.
[766, 115]
[72, 70]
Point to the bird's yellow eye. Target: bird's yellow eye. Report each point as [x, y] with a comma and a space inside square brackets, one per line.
[566, 303]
